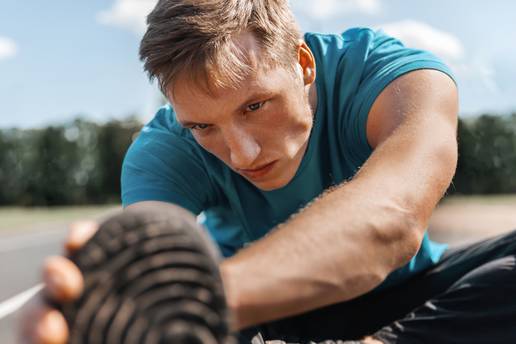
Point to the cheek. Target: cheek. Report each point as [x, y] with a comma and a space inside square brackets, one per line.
[289, 121]
[297, 133]
[297, 124]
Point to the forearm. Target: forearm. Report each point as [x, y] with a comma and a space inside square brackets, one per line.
[316, 259]
[346, 242]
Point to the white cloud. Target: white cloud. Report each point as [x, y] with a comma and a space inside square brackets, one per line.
[423, 36]
[128, 14]
[324, 9]
[8, 48]
[478, 74]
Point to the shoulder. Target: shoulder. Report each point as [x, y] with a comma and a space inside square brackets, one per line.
[164, 122]
[161, 136]
[337, 40]
[424, 97]
[363, 51]
[353, 68]
[350, 43]
[164, 163]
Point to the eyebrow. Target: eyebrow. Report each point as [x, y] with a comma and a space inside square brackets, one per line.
[249, 100]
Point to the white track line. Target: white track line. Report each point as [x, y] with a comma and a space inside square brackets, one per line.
[14, 303]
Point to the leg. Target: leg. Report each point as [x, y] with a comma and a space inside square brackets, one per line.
[369, 313]
[479, 308]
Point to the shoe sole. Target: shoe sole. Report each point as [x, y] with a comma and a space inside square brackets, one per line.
[150, 277]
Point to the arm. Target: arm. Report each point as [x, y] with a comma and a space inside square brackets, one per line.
[348, 240]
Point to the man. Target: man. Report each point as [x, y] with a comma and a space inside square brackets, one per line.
[328, 153]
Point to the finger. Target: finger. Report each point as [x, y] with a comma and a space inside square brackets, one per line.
[38, 323]
[63, 279]
[51, 328]
[80, 233]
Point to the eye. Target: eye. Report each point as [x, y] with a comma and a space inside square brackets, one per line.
[200, 126]
[254, 106]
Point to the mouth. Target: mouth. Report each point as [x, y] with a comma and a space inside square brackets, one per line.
[259, 172]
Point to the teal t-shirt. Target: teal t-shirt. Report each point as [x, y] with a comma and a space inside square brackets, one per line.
[166, 164]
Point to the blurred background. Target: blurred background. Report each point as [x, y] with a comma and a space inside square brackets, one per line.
[73, 96]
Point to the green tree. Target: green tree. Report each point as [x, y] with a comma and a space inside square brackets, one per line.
[487, 155]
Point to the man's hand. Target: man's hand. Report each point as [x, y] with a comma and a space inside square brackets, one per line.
[63, 282]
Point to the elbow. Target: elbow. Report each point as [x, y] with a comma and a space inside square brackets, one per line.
[399, 238]
[409, 244]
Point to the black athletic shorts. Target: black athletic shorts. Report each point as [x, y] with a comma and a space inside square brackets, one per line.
[468, 297]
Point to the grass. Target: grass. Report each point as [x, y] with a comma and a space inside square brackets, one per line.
[16, 219]
[22, 219]
[508, 199]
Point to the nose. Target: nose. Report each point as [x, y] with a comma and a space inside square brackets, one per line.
[243, 148]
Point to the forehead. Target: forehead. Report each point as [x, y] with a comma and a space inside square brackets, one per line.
[191, 100]
[224, 68]
[193, 103]
[258, 78]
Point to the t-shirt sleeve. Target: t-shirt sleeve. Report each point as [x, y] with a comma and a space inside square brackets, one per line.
[379, 59]
[164, 166]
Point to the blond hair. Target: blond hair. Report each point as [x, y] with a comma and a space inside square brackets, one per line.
[197, 38]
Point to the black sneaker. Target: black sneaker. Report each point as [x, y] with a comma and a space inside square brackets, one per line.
[150, 277]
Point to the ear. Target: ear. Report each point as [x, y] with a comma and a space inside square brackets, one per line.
[306, 61]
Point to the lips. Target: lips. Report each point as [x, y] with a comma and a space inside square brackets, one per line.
[258, 172]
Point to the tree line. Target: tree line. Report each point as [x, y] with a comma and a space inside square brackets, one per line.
[80, 162]
[487, 155]
[74, 163]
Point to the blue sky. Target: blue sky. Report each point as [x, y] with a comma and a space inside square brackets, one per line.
[61, 59]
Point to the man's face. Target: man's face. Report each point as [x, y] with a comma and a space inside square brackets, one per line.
[260, 129]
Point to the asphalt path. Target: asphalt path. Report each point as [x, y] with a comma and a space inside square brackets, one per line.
[21, 257]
